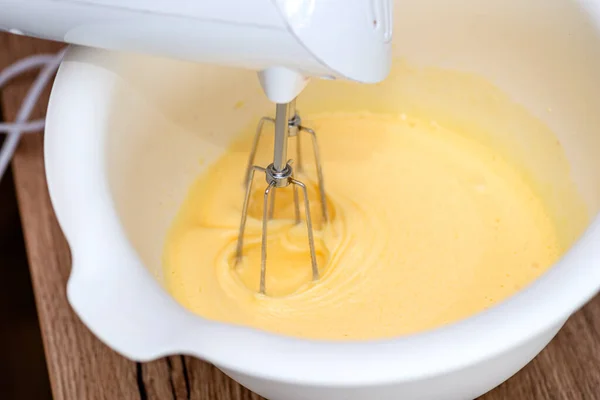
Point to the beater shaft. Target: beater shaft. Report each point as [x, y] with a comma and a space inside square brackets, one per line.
[281, 137]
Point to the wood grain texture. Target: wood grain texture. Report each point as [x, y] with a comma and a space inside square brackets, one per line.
[82, 368]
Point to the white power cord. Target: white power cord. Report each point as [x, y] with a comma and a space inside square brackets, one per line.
[48, 63]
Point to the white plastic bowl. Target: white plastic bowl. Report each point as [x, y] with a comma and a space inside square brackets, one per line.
[122, 149]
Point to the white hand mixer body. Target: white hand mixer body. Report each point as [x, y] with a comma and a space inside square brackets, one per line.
[287, 40]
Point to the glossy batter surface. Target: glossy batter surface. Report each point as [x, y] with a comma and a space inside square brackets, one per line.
[427, 227]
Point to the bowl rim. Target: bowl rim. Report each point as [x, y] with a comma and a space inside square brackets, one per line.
[81, 198]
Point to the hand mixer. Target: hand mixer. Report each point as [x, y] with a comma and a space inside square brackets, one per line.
[286, 41]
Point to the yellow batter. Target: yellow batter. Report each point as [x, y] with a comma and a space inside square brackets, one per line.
[427, 227]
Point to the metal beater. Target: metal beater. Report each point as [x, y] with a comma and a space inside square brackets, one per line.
[280, 174]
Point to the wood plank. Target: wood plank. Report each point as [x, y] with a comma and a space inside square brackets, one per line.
[78, 364]
[568, 368]
[82, 368]
[209, 383]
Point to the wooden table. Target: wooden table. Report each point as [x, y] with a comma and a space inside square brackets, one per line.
[82, 368]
